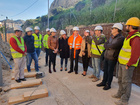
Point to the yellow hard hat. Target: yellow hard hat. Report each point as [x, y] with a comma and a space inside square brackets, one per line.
[134, 21]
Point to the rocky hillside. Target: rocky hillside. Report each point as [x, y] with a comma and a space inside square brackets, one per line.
[64, 4]
[86, 12]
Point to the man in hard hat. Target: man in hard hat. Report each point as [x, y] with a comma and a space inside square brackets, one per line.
[97, 48]
[18, 51]
[37, 40]
[112, 48]
[74, 42]
[128, 60]
[31, 53]
[45, 44]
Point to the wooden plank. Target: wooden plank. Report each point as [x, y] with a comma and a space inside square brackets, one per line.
[37, 94]
[24, 84]
[28, 96]
[26, 75]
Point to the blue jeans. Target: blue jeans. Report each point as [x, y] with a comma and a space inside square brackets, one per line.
[96, 67]
[38, 50]
[31, 56]
[66, 61]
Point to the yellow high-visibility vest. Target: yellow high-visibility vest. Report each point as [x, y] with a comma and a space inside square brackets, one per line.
[37, 41]
[94, 49]
[14, 53]
[125, 52]
[45, 41]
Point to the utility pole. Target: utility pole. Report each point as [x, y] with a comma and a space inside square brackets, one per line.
[115, 11]
[48, 13]
[5, 29]
[1, 79]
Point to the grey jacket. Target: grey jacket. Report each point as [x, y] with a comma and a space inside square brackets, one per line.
[113, 46]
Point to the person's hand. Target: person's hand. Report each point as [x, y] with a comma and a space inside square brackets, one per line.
[126, 67]
[60, 49]
[83, 53]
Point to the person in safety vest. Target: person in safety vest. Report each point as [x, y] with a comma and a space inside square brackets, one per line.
[31, 53]
[97, 47]
[128, 60]
[112, 48]
[37, 40]
[45, 44]
[18, 51]
[74, 43]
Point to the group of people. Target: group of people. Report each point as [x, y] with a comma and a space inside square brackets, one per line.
[93, 45]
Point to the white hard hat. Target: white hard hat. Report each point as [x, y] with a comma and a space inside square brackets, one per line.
[28, 29]
[75, 29]
[36, 28]
[62, 32]
[18, 28]
[98, 28]
[47, 29]
[118, 26]
[53, 30]
[87, 31]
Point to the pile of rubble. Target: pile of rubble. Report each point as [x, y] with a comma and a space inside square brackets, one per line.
[5, 49]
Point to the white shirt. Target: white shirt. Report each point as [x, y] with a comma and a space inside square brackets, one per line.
[74, 41]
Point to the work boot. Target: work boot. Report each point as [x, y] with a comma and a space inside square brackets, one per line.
[116, 96]
[61, 69]
[107, 87]
[70, 71]
[100, 84]
[50, 71]
[92, 76]
[18, 80]
[121, 103]
[23, 79]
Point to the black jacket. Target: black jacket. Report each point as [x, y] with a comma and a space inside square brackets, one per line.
[113, 46]
[29, 41]
[63, 48]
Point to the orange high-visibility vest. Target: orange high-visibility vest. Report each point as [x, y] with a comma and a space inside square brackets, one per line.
[77, 44]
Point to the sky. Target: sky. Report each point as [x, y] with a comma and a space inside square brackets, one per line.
[11, 9]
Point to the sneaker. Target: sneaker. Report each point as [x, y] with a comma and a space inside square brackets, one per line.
[23, 79]
[107, 87]
[46, 65]
[116, 96]
[100, 84]
[92, 76]
[95, 79]
[121, 103]
[70, 71]
[61, 69]
[18, 80]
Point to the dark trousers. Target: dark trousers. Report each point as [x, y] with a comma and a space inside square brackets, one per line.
[72, 59]
[109, 66]
[85, 60]
[52, 58]
[66, 61]
[47, 53]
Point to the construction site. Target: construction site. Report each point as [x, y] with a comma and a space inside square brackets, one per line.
[98, 46]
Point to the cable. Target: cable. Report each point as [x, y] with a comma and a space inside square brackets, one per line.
[25, 9]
